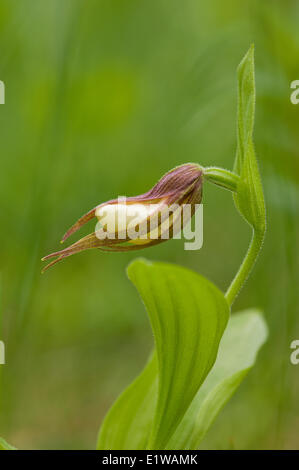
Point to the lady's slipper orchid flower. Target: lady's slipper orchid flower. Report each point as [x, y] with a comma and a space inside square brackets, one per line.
[133, 223]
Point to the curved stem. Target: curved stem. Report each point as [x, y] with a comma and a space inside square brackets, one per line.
[229, 180]
[246, 267]
[221, 177]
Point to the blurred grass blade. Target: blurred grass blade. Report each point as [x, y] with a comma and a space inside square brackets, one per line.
[128, 423]
[245, 334]
[5, 446]
[188, 315]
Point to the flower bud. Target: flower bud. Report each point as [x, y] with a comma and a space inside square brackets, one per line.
[127, 224]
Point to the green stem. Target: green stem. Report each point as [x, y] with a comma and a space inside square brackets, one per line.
[221, 177]
[246, 267]
[229, 180]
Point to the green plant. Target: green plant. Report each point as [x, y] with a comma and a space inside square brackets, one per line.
[201, 354]
[172, 404]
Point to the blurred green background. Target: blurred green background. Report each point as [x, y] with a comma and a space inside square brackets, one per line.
[103, 97]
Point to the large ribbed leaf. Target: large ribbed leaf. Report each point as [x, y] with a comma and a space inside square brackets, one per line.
[188, 315]
[128, 423]
[243, 337]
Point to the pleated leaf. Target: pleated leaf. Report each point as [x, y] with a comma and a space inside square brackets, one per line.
[188, 315]
[245, 334]
[128, 424]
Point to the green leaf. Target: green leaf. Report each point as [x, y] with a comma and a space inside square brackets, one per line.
[243, 337]
[246, 107]
[188, 315]
[127, 425]
[249, 198]
[5, 446]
